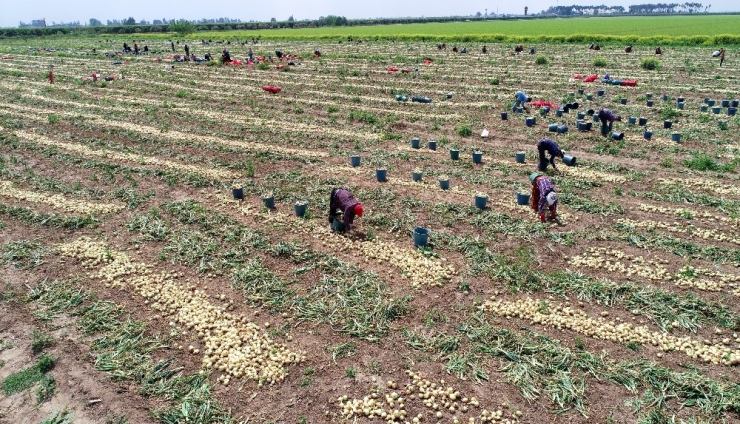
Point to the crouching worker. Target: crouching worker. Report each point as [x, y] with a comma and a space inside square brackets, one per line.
[543, 193]
[521, 100]
[348, 206]
[549, 146]
[607, 118]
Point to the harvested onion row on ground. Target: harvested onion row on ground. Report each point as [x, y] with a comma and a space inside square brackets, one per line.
[591, 175]
[173, 135]
[331, 170]
[688, 276]
[93, 254]
[690, 214]
[408, 148]
[613, 260]
[438, 400]
[57, 201]
[416, 267]
[718, 187]
[248, 145]
[419, 269]
[554, 315]
[654, 141]
[682, 228]
[129, 157]
[233, 346]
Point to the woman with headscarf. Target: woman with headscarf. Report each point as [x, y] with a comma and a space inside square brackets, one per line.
[543, 194]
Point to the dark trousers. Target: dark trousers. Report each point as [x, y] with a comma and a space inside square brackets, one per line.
[543, 159]
[332, 212]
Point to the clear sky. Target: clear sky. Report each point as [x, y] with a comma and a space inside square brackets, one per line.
[14, 11]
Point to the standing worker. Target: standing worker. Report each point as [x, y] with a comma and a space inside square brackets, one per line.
[721, 57]
[549, 146]
[521, 100]
[187, 50]
[543, 193]
[172, 44]
[606, 115]
[342, 199]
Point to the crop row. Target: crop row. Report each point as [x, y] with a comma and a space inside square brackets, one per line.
[438, 400]
[233, 345]
[57, 201]
[126, 350]
[631, 266]
[416, 267]
[171, 135]
[550, 314]
[686, 229]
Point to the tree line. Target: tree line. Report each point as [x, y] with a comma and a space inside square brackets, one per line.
[41, 23]
[637, 9]
[130, 25]
[668, 8]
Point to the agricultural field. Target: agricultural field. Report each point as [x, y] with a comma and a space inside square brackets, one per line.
[622, 26]
[136, 289]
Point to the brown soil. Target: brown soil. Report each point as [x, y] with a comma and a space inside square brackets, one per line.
[311, 389]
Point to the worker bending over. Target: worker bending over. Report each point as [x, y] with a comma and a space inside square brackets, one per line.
[549, 146]
[521, 100]
[543, 193]
[607, 118]
[342, 199]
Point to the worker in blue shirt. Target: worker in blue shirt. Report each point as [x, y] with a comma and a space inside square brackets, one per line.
[521, 100]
